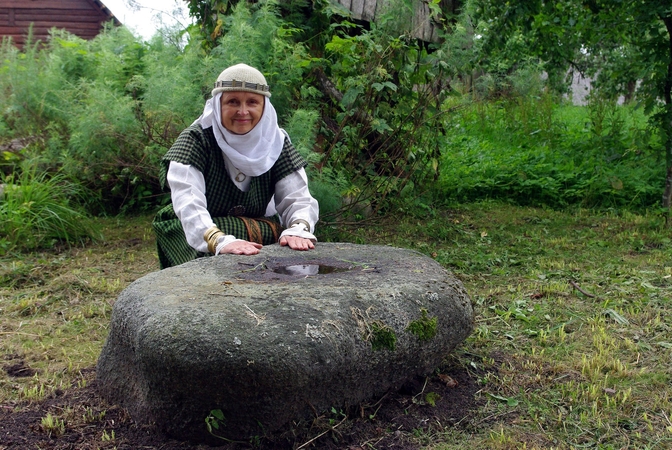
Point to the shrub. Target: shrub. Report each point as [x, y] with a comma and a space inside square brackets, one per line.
[38, 210]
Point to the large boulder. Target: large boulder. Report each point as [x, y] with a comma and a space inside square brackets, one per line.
[278, 336]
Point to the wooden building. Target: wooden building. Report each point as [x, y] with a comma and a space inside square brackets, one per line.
[423, 26]
[84, 18]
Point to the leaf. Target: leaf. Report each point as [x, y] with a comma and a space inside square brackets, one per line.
[510, 401]
[616, 184]
[217, 414]
[616, 316]
[350, 96]
[390, 85]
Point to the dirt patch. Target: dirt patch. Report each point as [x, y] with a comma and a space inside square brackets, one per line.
[392, 422]
[19, 369]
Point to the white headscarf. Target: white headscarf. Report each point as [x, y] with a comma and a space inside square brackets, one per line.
[254, 152]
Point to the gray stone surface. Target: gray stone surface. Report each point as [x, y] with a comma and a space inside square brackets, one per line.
[240, 334]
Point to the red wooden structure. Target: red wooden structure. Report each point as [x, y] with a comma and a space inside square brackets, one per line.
[84, 18]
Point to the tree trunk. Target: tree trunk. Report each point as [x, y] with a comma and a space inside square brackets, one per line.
[667, 195]
[667, 125]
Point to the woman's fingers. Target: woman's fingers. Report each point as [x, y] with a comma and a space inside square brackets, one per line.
[241, 248]
[297, 243]
[252, 248]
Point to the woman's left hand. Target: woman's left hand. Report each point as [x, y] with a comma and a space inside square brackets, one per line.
[297, 243]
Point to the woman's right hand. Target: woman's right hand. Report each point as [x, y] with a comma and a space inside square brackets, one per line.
[241, 248]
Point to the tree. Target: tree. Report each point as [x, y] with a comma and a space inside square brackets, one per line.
[372, 84]
[617, 42]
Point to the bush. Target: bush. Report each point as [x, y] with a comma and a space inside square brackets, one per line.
[38, 211]
[569, 160]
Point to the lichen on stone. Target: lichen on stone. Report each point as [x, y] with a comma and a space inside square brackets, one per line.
[423, 328]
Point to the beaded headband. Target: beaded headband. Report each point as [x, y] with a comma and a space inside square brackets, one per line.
[261, 88]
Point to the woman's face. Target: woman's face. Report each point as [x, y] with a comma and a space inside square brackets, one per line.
[241, 111]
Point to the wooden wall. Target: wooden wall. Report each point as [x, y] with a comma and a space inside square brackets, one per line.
[423, 25]
[83, 18]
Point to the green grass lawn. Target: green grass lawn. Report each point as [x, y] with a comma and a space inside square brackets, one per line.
[572, 345]
[573, 323]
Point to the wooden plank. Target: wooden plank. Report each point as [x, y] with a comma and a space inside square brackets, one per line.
[369, 12]
[6, 30]
[46, 4]
[357, 8]
[423, 27]
[22, 13]
[20, 39]
[423, 24]
[67, 25]
[347, 4]
[44, 30]
[17, 40]
[27, 18]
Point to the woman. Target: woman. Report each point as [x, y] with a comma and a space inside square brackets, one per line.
[232, 167]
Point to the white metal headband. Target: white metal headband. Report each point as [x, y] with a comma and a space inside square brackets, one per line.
[242, 85]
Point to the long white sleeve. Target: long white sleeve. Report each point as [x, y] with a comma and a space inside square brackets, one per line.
[187, 192]
[294, 202]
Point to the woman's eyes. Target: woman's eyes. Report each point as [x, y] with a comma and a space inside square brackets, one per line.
[252, 103]
[237, 103]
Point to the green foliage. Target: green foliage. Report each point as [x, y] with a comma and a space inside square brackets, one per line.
[38, 210]
[424, 328]
[327, 192]
[52, 425]
[528, 152]
[376, 91]
[385, 116]
[102, 112]
[431, 398]
[624, 46]
[216, 420]
[385, 122]
[272, 49]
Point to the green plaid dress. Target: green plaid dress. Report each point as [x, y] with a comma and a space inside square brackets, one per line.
[198, 147]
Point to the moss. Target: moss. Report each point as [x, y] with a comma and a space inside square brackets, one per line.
[431, 398]
[382, 337]
[424, 328]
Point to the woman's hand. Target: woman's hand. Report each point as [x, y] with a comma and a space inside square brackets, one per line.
[297, 243]
[241, 248]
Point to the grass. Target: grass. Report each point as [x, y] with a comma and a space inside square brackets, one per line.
[55, 306]
[38, 210]
[572, 344]
[573, 325]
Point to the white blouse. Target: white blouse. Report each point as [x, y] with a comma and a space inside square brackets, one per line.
[292, 201]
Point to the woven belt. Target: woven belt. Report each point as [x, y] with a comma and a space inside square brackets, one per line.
[254, 230]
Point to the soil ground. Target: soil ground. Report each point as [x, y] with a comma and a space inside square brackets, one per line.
[398, 420]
